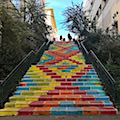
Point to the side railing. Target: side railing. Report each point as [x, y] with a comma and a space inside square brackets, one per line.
[84, 51]
[10, 83]
[41, 50]
[103, 74]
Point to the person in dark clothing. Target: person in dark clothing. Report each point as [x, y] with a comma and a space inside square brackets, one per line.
[54, 39]
[69, 37]
[74, 39]
[61, 37]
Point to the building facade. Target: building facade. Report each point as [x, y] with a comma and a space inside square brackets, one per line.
[42, 2]
[106, 13]
[51, 19]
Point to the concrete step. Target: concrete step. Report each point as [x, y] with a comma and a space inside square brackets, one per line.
[74, 83]
[61, 92]
[22, 104]
[27, 79]
[59, 98]
[54, 86]
[59, 111]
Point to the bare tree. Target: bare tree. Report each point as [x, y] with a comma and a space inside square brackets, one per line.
[75, 19]
[35, 18]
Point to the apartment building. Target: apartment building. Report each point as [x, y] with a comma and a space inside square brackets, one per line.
[106, 13]
[51, 20]
[42, 2]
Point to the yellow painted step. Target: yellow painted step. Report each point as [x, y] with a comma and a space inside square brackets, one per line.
[32, 93]
[34, 73]
[20, 104]
[40, 76]
[9, 111]
[40, 79]
[23, 98]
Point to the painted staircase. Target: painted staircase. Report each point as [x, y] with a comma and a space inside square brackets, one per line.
[60, 84]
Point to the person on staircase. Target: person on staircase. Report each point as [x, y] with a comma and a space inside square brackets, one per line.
[61, 38]
[54, 39]
[69, 37]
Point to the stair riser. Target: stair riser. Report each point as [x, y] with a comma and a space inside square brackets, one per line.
[59, 98]
[59, 79]
[33, 94]
[63, 84]
[59, 88]
[57, 105]
[60, 84]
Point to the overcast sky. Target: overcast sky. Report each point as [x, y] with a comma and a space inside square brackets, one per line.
[59, 6]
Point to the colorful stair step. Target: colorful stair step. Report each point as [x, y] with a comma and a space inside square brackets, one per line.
[61, 83]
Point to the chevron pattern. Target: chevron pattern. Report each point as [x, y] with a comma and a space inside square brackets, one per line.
[60, 84]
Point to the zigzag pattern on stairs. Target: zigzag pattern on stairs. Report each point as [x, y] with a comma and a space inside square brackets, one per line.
[60, 84]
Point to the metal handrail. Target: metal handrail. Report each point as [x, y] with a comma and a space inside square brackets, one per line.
[31, 52]
[84, 47]
[103, 67]
[39, 53]
[12, 80]
[85, 52]
[103, 74]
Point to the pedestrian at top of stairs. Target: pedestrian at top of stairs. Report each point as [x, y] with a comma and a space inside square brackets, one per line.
[54, 39]
[61, 37]
[69, 37]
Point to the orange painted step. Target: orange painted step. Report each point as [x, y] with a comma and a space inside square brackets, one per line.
[67, 97]
[66, 92]
[35, 111]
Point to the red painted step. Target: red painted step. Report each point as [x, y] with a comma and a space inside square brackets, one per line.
[67, 88]
[55, 76]
[67, 97]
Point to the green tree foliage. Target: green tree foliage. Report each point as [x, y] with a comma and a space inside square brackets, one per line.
[14, 45]
[107, 49]
[19, 37]
[35, 17]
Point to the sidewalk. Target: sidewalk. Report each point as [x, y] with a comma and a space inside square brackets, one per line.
[62, 118]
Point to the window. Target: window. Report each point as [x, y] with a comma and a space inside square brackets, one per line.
[103, 4]
[116, 26]
[98, 12]
[100, 7]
